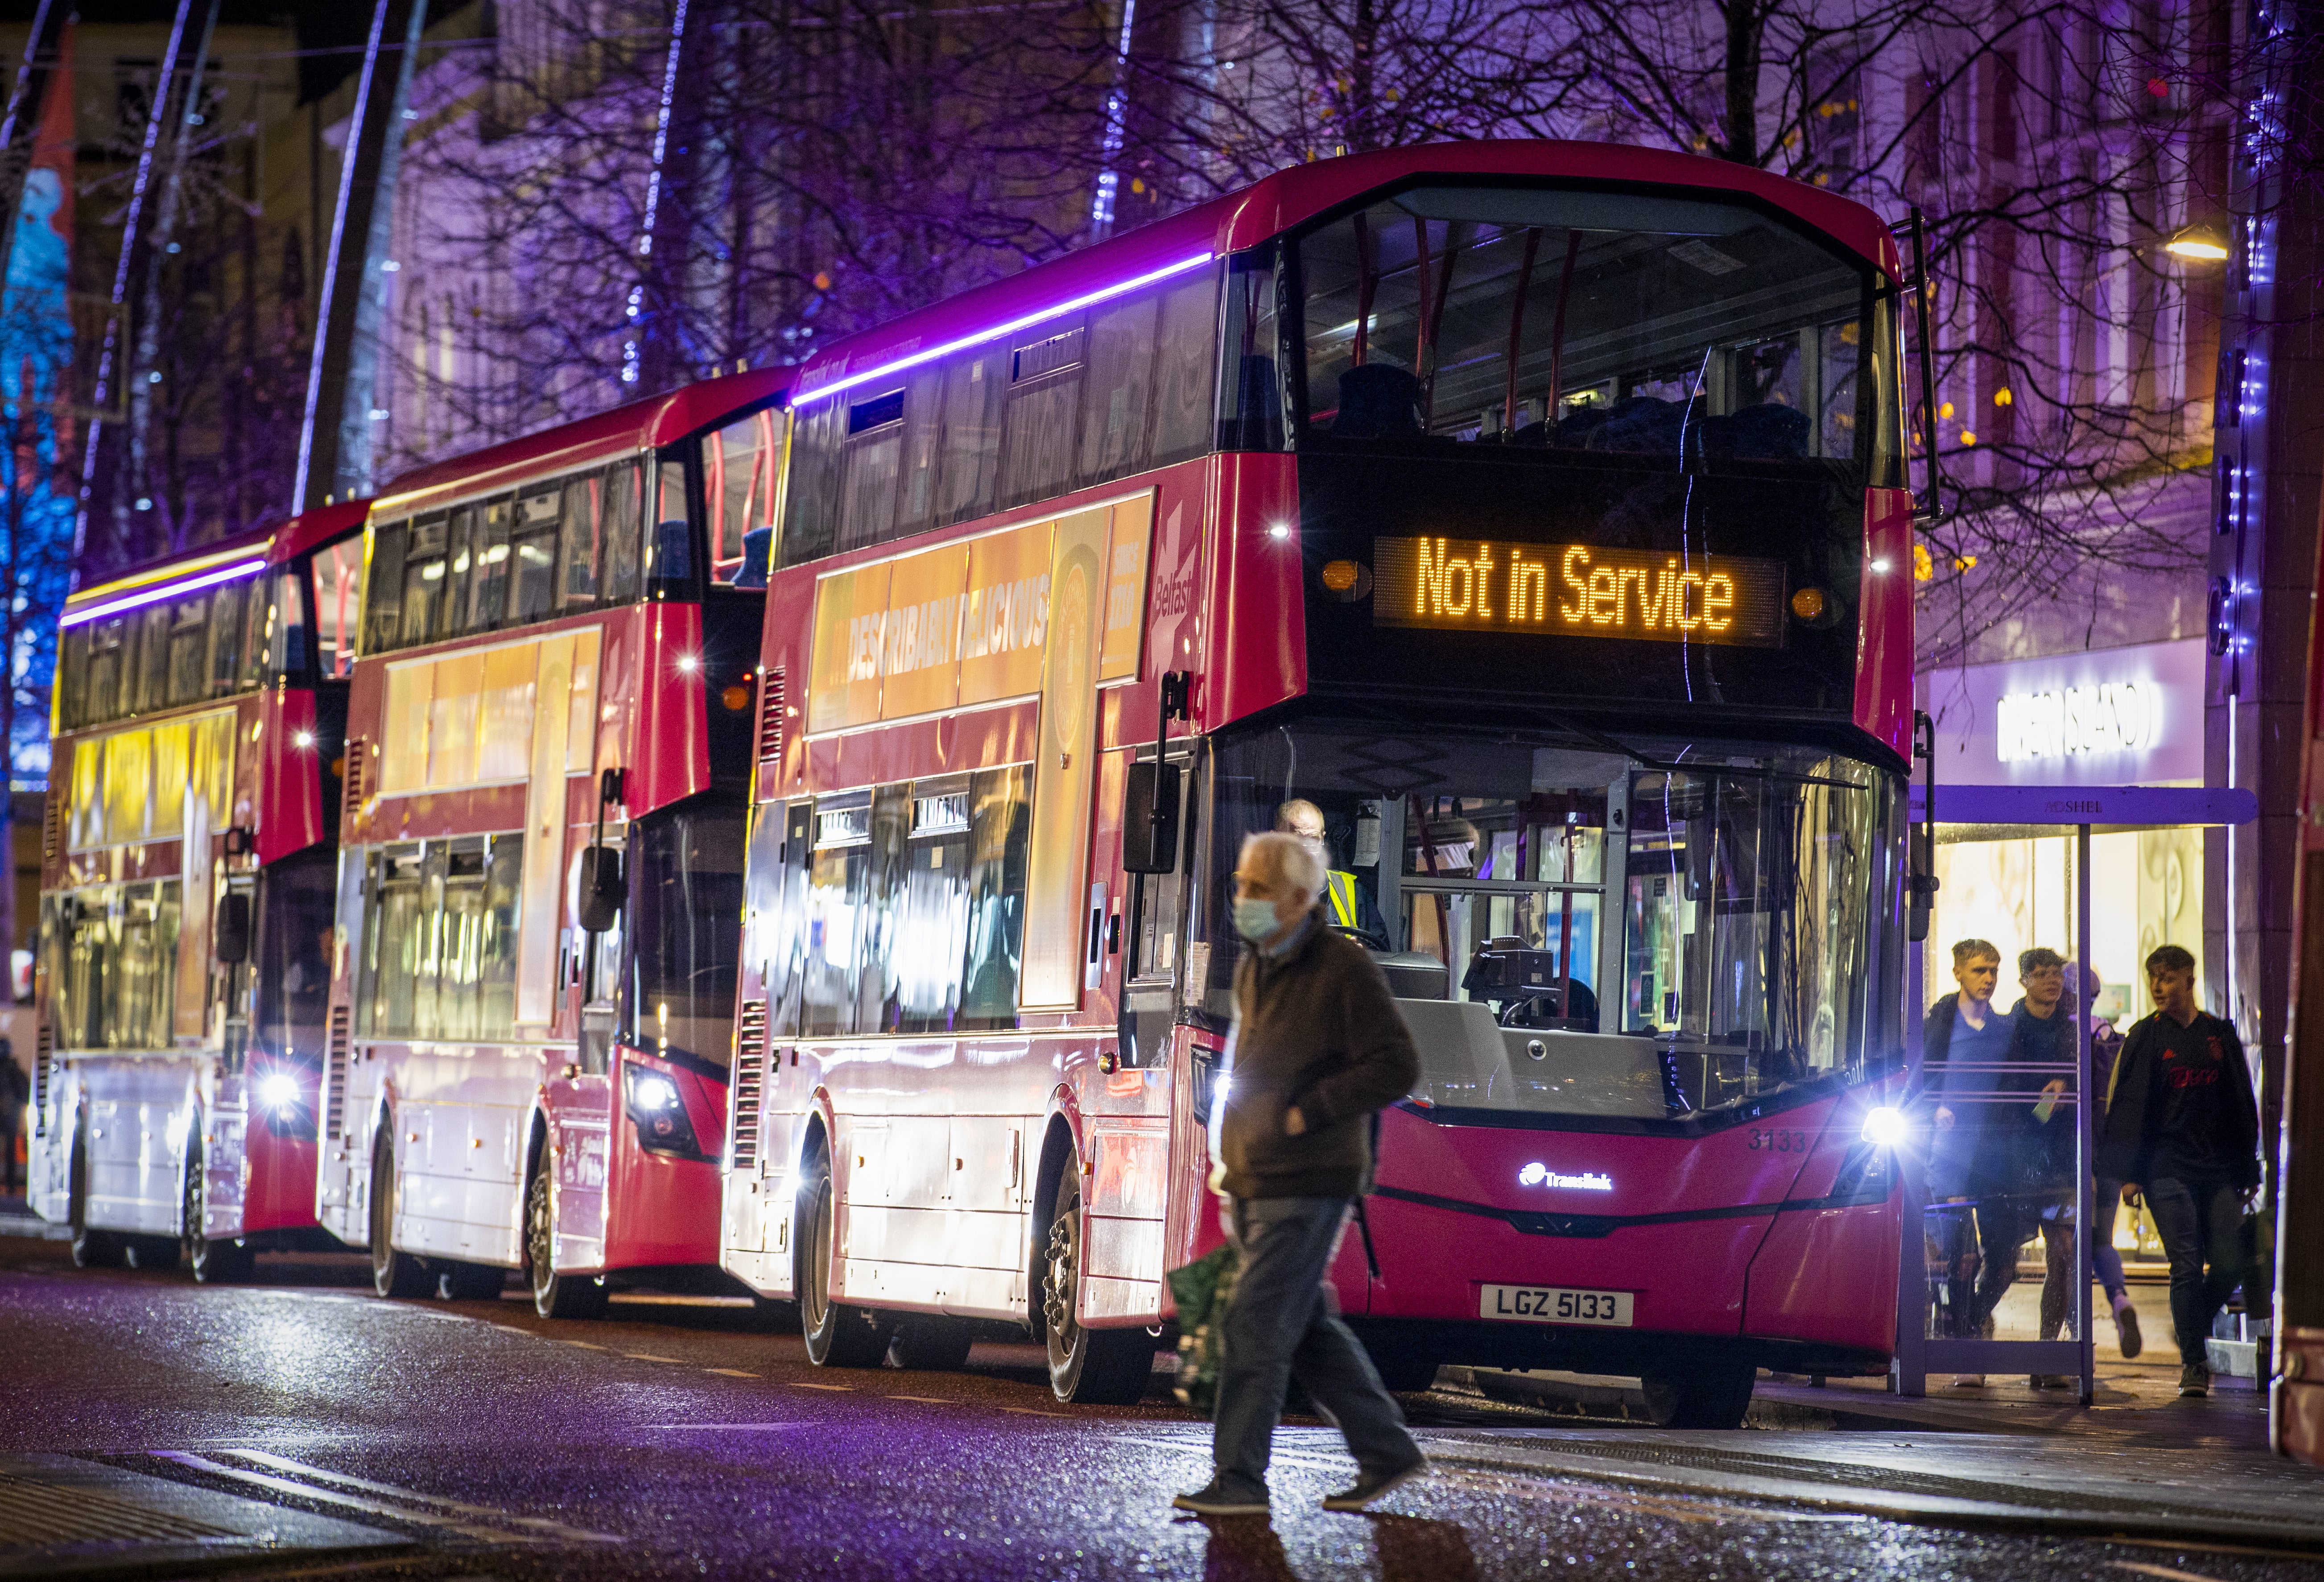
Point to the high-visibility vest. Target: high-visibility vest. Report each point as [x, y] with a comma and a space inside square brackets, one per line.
[1346, 904]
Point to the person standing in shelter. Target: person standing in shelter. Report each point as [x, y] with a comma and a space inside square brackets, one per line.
[1317, 1048]
[1973, 1144]
[2182, 1130]
[1347, 903]
[2057, 1142]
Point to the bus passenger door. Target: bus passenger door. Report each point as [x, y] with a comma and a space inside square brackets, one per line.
[579, 1099]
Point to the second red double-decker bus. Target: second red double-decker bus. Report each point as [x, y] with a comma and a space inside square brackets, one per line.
[541, 890]
[1528, 520]
[186, 893]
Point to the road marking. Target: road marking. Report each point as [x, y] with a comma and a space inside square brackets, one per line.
[348, 1480]
[588, 1346]
[325, 1497]
[803, 1384]
[929, 1399]
[511, 1329]
[2144, 1570]
[1029, 1411]
[739, 1428]
[731, 1373]
[646, 1356]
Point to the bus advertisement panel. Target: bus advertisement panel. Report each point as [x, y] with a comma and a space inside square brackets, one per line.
[186, 893]
[1524, 521]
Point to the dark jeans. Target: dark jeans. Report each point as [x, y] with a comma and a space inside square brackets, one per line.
[1283, 1321]
[2198, 1221]
[1981, 1255]
[2058, 1251]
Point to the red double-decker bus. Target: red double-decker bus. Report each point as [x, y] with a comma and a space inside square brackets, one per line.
[187, 862]
[540, 890]
[1529, 518]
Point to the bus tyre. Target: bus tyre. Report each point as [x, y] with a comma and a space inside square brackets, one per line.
[392, 1274]
[1699, 1393]
[1092, 1367]
[470, 1282]
[554, 1295]
[931, 1346]
[838, 1335]
[214, 1262]
[91, 1249]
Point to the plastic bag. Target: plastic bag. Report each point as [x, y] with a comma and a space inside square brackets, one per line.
[1201, 1290]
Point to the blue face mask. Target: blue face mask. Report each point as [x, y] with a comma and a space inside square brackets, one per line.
[1255, 919]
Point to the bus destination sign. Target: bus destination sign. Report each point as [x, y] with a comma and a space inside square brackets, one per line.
[1578, 590]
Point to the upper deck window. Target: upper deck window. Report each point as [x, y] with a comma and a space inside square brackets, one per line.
[1072, 401]
[1621, 323]
[197, 647]
[554, 548]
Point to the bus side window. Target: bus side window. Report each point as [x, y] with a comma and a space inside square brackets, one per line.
[423, 583]
[382, 600]
[228, 609]
[837, 879]
[287, 640]
[882, 908]
[1000, 821]
[577, 555]
[785, 935]
[968, 477]
[811, 508]
[621, 526]
[670, 558]
[71, 687]
[533, 549]
[153, 625]
[1118, 389]
[488, 578]
[1185, 348]
[189, 644]
[1045, 370]
[335, 608]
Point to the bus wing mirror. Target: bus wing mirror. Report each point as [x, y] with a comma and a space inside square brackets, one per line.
[230, 934]
[1149, 819]
[1919, 884]
[602, 891]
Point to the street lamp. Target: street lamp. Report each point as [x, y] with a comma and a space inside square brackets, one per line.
[2198, 244]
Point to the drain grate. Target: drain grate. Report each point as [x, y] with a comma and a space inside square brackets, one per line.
[43, 1515]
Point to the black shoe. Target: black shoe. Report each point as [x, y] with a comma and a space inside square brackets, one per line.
[2194, 1380]
[1373, 1486]
[1219, 1497]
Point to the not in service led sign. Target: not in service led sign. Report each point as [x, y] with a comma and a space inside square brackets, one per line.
[1484, 585]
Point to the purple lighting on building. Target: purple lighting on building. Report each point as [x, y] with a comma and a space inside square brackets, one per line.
[146, 596]
[994, 332]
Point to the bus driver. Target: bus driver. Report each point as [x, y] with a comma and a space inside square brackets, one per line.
[1345, 897]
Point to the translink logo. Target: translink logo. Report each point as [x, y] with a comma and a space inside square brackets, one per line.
[1538, 1174]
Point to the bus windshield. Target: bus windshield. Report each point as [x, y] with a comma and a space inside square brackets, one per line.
[1623, 323]
[1573, 931]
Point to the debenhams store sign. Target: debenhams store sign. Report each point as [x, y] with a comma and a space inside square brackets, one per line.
[2108, 717]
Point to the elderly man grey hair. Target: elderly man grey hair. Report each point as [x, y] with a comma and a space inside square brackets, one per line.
[1278, 859]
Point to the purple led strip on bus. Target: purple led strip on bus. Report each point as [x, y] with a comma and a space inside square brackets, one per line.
[147, 595]
[996, 331]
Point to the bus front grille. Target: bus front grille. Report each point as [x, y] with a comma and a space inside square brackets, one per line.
[750, 1069]
[335, 1069]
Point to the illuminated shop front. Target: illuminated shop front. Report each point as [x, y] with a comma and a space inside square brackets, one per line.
[2103, 717]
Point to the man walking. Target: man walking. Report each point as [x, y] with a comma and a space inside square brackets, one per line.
[1973, 1152]
[2182, 1128]
[1318, 1048]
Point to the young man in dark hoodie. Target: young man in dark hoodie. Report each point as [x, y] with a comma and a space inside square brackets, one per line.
[2182, 1128]
[1972, 1145]
[1318, 1047]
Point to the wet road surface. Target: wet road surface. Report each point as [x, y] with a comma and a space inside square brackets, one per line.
[679, 1438]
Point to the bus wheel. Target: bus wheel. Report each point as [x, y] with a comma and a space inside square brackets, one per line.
[1105, 1367]
[1699, 1393]
[91, 1249]
[214, 1262]
[554, 1295]
[392, 1274]
[838, 1335]
[931, 1346]
[470, 1282]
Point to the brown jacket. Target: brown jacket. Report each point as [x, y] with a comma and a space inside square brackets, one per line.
[1315, 1028]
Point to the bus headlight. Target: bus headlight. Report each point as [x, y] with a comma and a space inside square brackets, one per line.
[659, 1113]
[1884, 1127]
[278, 1092]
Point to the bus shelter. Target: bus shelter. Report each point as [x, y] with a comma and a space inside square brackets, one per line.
[1999, 1146]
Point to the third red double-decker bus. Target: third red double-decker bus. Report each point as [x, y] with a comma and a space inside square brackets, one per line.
[541, 887]
[1528, 519]
[186, 891]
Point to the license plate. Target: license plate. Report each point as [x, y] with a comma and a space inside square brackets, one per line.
[1556, 1304]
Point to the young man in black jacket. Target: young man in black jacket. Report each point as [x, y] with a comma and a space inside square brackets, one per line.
[1318, 1048]
[2182, 1127]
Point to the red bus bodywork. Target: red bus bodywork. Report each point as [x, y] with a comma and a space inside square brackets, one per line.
[465, 1123]
[235, 1092]
[1742, 1236]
